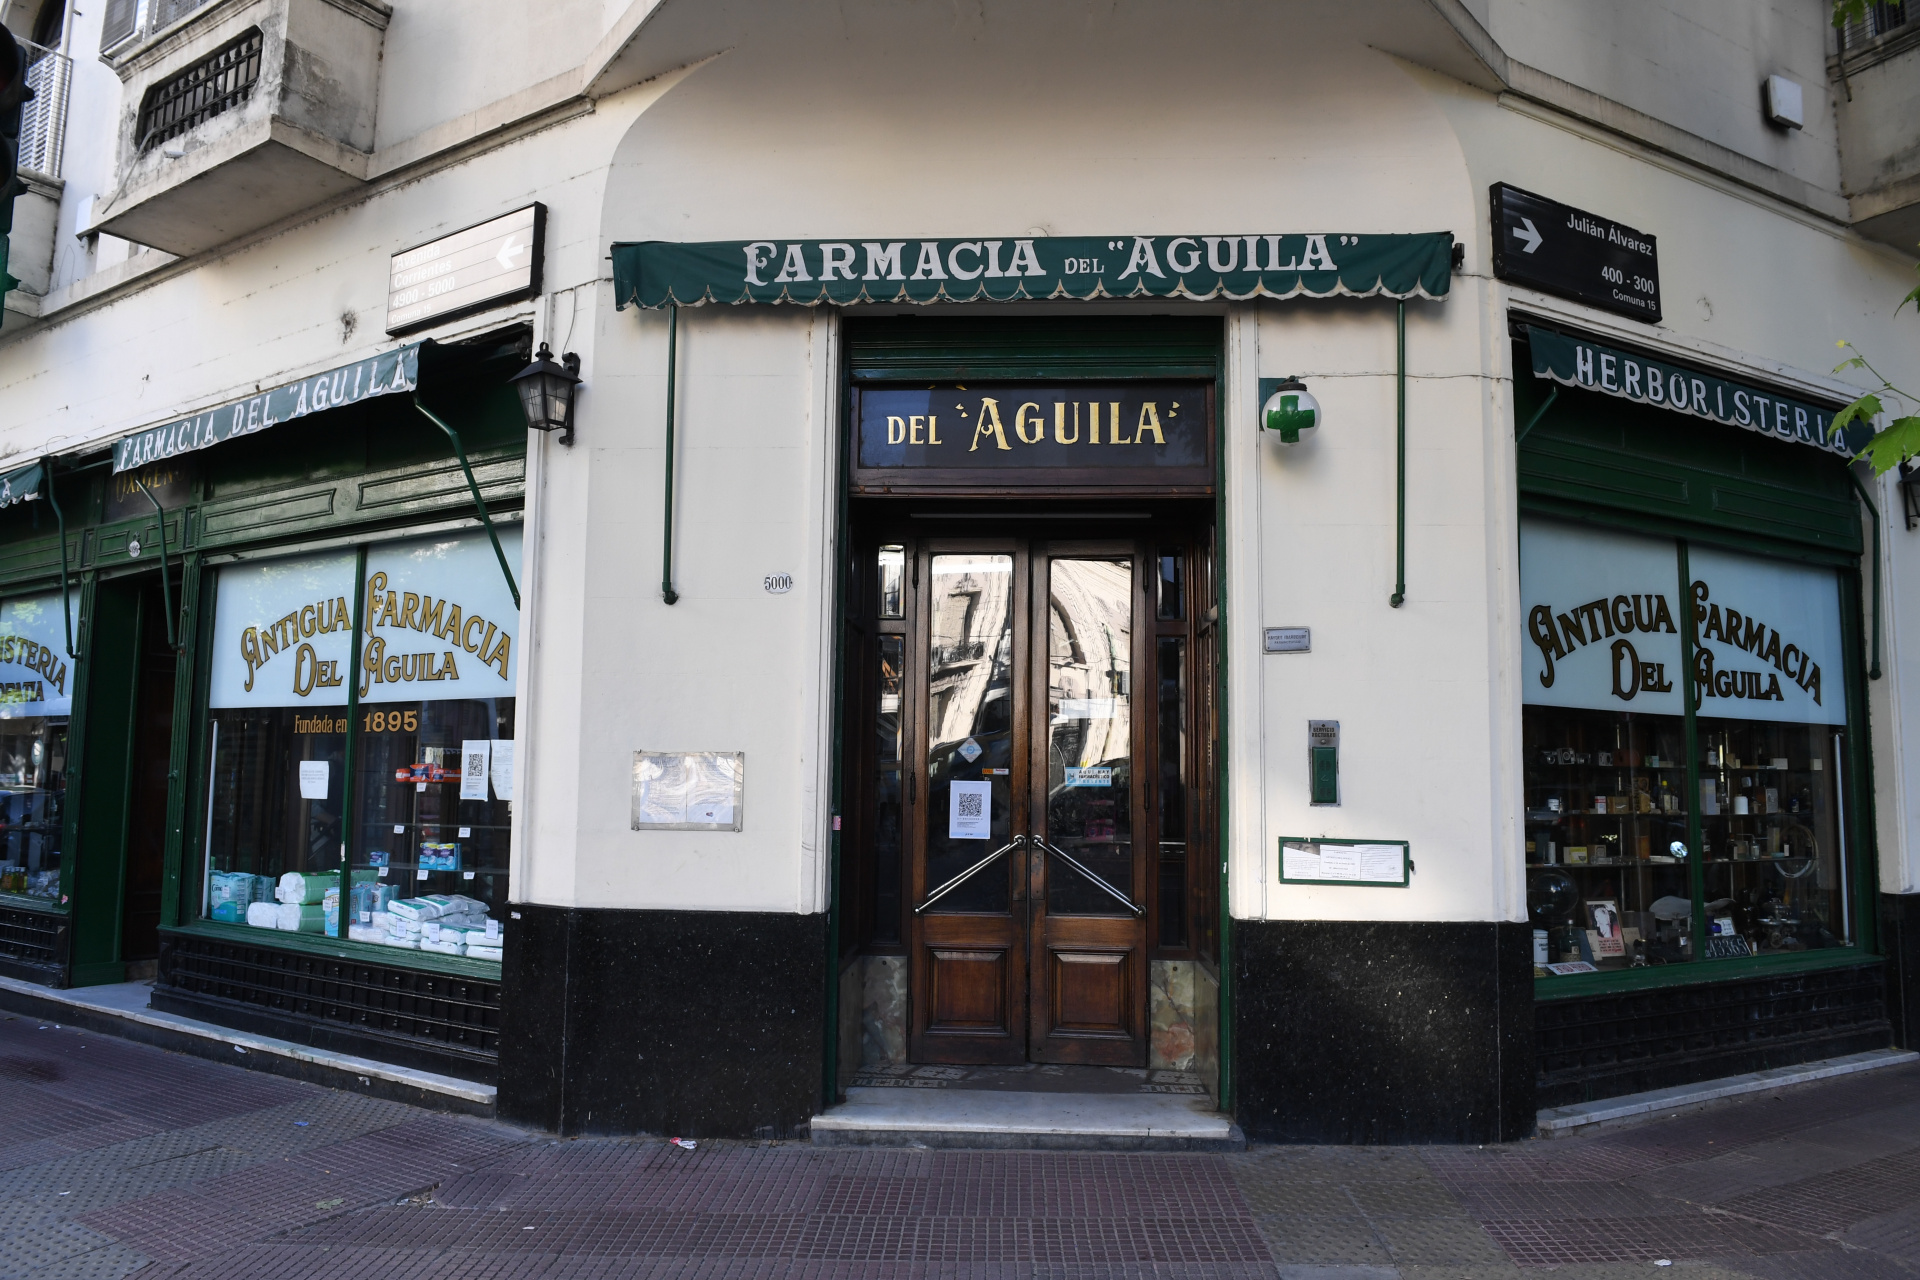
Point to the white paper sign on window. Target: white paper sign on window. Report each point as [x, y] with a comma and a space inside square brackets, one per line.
[440, 621]
[1600, 619]
[36, 676]
[1770, 646]
[282, 631]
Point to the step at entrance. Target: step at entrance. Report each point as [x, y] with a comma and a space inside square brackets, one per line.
[1031, 1108]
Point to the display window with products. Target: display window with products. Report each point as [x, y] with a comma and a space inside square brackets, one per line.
[394, 785]
[36, 704]
[1685, 738]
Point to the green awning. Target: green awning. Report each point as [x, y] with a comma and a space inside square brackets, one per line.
[1661, 384]
[655, 273]
[378, 375]
[22, 484]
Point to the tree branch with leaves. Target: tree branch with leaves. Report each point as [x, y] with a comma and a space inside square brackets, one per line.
[1900, 438]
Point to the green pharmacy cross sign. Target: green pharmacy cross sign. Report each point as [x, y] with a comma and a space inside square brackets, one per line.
[654, 273]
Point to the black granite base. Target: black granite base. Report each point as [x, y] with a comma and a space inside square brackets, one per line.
[1606, 1046]
[690, 1023]
[1900, 943]
[1377, 1032]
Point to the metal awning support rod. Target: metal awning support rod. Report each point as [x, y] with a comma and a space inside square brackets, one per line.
[968, 874]
[473, 486]
[1077, 865]
[1873, 672]
[667, 593]
[66, 601]
[166, 588]
[1538, 414]
[1399, 596]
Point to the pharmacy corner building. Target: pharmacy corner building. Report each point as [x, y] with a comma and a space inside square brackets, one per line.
[832, 552]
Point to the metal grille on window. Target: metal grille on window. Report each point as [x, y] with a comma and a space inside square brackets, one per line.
[216, 83]
[1882, 17]
[168, 12]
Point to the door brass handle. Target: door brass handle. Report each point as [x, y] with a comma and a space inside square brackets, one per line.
[968, 874]
[1042, 847]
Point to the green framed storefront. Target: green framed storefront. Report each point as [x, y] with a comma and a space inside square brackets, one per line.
[330, 481]
[1595, 461]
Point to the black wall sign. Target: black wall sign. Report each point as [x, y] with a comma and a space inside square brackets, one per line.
[1559, 249]
[1102, 435]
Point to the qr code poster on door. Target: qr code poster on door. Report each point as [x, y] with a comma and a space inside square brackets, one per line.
[970, 811]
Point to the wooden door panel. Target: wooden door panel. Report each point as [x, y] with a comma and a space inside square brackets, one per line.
[967, 991]
[1089, 993]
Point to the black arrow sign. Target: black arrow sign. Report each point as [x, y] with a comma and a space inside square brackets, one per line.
[1559, 249]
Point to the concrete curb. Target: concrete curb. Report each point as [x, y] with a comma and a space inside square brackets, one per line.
[120, 1010]
[1612, 1113]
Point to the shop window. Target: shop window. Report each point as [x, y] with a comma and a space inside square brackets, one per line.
[1642, 850]
[432, 735]
[36, 698]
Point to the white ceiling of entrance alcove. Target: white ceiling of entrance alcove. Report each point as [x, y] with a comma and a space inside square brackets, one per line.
[941, 120]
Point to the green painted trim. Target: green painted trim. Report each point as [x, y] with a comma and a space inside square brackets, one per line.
[667, 594]
[1399, 596]
[1699, 972]
[19, 902]
[1700, 535]
[473, 486]
[343, 915]
[1223, 949]
[181, 743]
[314, 944]
[1873, 513]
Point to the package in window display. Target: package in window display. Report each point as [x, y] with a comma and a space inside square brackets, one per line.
[440, 856]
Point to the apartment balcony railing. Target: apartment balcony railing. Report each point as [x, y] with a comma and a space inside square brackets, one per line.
[43, 124]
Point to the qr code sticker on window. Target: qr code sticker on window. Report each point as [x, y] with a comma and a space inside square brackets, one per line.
[970, 804]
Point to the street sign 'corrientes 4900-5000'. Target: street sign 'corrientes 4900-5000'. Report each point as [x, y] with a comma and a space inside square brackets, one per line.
[1562, 250]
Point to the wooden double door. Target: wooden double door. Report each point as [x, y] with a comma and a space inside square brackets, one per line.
[1029, 828]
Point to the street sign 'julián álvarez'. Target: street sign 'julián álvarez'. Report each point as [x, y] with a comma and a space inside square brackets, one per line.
[1029, 435]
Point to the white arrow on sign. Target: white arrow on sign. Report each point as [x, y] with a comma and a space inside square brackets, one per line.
[509, 251]
[1529, 237]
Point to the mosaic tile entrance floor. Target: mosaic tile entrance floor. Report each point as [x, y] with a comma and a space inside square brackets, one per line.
[1032, 1077]
[120, 1160]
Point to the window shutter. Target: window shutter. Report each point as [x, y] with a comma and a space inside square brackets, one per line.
[119, 22]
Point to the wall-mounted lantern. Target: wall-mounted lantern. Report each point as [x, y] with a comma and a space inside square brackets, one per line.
[546, 390]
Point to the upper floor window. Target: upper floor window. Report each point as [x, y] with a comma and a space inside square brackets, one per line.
[221, 80]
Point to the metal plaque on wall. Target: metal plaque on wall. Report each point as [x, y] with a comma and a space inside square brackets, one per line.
[1012, 436]
[1571, 253]
[483, 266]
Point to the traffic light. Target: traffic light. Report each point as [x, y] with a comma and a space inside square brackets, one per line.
[13, 95]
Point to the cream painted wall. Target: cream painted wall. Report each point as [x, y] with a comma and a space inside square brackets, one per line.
[1697, 64]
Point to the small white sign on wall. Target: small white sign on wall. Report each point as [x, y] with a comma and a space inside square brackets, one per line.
[688, 790]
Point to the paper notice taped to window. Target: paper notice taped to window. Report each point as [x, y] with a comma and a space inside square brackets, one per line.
[475, 754]
[503, 768]
[313, 779]
[970, 811]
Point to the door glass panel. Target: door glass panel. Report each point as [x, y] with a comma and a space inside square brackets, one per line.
[1172, 656]
[970, 722]
[1090, 733]
[886, 793]
[890, 579]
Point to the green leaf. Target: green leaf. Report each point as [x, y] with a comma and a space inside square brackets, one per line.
[1856, 362]
[1865, 410]
[1890, 448]
[1849, 10]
